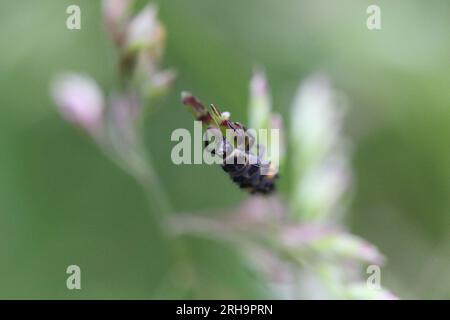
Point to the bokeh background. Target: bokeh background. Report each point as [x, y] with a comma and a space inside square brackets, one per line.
[63, 202]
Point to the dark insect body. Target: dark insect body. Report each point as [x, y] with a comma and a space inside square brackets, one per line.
[246, 169]
[250, 177]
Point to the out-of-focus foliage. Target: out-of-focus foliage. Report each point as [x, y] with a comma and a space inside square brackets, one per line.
[62, 202]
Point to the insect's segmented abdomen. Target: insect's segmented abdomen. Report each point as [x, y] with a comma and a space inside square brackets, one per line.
[255, 177]
[250, 177]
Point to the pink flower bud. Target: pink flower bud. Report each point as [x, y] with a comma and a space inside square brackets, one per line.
[80, 101]
[115, 16]
[260, 104]
[145, 31]
[258, 84]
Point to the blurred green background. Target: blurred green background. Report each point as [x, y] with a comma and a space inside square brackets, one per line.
[62, 202]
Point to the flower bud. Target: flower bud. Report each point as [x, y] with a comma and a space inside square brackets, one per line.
[320, 180]
[260, 102]
[115, 14]
[79, 100]
[160, 83]
[316, 119]
[145, 32]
